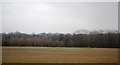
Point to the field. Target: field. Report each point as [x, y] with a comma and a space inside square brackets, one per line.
[59, 55]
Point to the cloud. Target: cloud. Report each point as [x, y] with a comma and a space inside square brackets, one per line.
[59, 16]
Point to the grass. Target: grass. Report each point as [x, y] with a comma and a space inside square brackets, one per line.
[0, 55]
[59, 55]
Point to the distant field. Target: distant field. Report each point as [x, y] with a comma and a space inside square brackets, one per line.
[59, 55]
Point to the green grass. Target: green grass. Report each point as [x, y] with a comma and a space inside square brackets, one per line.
[59, 55]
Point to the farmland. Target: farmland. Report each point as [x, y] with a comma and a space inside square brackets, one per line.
[59, 55]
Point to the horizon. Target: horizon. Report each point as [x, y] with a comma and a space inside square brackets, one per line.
[81, 31]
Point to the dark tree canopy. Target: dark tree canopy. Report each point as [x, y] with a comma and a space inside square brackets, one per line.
[93, 39]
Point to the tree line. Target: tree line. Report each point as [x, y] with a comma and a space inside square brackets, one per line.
[97, 40]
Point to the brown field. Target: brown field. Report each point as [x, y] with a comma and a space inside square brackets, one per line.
[59, 55]
[0, 55]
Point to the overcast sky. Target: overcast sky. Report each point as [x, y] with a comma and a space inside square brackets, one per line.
[63, 17]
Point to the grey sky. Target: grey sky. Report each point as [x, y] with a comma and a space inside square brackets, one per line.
[63, 17]
[0, 16]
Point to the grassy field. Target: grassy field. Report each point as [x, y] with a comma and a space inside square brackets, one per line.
[59, 55]
[0, 55]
